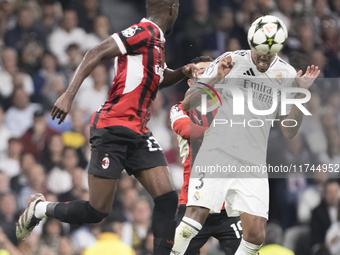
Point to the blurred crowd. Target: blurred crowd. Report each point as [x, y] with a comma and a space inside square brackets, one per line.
[41, 44]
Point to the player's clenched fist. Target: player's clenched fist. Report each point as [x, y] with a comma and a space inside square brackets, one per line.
[62, 107]
[224, 67]
[190, 70]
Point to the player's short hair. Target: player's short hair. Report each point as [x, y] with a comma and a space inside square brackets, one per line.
[202, 59]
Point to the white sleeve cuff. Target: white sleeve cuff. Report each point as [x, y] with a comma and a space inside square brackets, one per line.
[119, 43]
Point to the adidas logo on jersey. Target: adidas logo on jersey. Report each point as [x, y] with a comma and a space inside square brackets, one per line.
[249, 72]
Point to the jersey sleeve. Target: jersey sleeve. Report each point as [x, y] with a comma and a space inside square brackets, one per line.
[132, 39]
[183, 126]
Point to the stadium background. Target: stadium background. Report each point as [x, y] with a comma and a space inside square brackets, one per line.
[43, 41]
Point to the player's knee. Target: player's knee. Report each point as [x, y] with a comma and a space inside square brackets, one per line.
[198, 214]
[92, 215]
[167, 202]
[255, 235]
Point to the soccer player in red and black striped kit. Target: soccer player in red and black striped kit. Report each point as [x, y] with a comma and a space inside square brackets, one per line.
[190, 128]
[119, 136]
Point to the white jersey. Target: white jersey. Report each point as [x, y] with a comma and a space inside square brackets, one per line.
[234, 134]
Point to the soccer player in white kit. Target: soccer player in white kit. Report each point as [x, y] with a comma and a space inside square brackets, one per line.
[240, 145]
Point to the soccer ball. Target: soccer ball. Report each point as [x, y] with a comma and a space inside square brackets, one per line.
[267, 35]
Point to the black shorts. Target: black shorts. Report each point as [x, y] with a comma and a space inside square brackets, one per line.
[117, 148]
[225, 229]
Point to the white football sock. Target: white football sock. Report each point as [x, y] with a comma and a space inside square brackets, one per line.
[246, 248]
[186, 230]
[40, 210]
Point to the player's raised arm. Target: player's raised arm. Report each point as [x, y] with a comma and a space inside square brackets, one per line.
[172, 77]
[193, 100]
[305, 82]
[107, 49]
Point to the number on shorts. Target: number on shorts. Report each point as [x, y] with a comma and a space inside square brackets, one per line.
[201, 180]
[153, 144]
[237, 228]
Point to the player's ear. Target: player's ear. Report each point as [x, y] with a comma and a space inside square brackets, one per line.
[189, 82]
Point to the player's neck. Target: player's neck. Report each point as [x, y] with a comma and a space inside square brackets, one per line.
[159, 21]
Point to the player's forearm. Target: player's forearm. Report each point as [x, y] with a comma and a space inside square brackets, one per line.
[193, 100]
[171, 77]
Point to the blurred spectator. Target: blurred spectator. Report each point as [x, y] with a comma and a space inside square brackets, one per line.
[78, 188]
[4, 134]
[4, 183]
[87, 14]
[9, 75]
[76, 137]
[24, 32]
[65, 246]
[47, 71]
[285, 9]
[196, 26]
[49, 20]
[320, 249]
[19, 181]
[274, 240]
[52, 154]
[158, 122]
[148, 244]
[36, 180]
[141, 223]
[333, 151]
[332, 240]
[101, 30]
[53, 88]
[8, 20]
[325, 213]
[31, 57]
[214, 43]
[35, 138]
[311, 197]
[11, 164]
[109, 241]
[92, 98]
[51, 234]
[68, 34]
[7, 247]
[8, 216]
[60, 178]
[85, 236]
[19, 117]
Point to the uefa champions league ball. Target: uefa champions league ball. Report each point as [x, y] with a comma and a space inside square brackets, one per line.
[267, 35]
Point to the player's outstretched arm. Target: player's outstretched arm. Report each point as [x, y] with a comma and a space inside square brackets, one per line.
[303, 81]
[107, 49]
[193, 99]
[172, 77]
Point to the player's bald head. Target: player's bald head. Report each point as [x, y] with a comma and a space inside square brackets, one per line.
[162, 3]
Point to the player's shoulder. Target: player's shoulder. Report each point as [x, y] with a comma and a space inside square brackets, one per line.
[285, 68]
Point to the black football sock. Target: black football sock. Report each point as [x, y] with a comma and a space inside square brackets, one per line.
[75, 212]
[164, 223]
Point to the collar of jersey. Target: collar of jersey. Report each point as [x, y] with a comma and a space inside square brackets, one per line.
[160, 30]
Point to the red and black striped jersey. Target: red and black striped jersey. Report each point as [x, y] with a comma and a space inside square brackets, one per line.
[139, 71]
[190, 128]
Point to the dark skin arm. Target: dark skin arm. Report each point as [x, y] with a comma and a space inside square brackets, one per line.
[172, 77]
[106, 50]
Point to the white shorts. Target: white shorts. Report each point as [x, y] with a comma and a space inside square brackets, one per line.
[249, 195]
